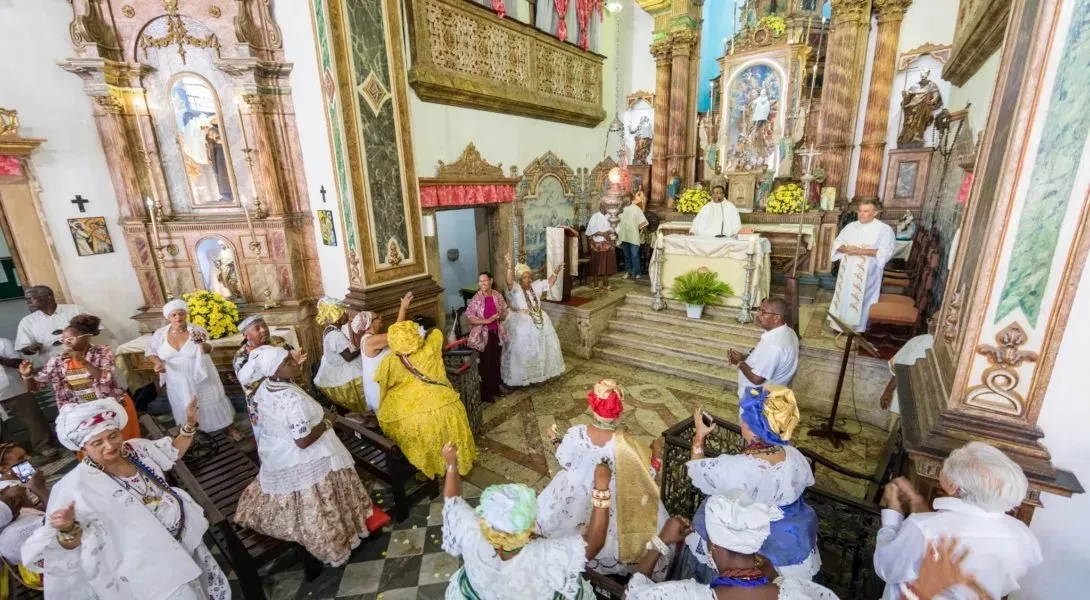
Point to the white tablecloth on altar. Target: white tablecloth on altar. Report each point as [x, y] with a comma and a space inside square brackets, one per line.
[726, 256]
[682, 227]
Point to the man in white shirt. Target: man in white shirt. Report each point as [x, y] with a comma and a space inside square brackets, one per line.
[39, 333]
[776, 357]
[628, 233]
[15, 398]
[863, 249]
[603, 253]
[717, 218]
[982, 484]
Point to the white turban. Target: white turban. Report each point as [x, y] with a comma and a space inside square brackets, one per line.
[739, 524]
[263, 362]
[520, 269]
[248, 321]
[173, 305]
[78, 423]
[362, 321]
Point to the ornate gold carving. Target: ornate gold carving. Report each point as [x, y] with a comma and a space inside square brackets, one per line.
[9, 122]
[214, 12]
[110, 104]
[373, 92]
[682, 41]
[465, 56]
[547, 164]
[998, 390]
[951, 319]
[851, 11]
[661, 50]
[91, 27]
[177, 33]
[128, 11]
[891, 10]
[633, 98]
[940, 52]
[260, 32]
[470, 165]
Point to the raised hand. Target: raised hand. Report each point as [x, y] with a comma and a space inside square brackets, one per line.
[891, 498]
[507, 259]
[674, 530]
[450, 454]
[552, 433]
[734, 356]
[191, 411]
[26, 368]
[602, 475]
[406, 300]
[700, 430]
[64, 519]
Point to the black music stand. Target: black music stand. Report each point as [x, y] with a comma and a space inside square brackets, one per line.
[828, 431]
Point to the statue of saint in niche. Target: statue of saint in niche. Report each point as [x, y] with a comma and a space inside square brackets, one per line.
[202, 139]
[918, 105]
[643, 138]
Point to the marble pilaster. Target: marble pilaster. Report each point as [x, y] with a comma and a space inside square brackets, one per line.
[661, 52]
[876, 120]
[681, 121]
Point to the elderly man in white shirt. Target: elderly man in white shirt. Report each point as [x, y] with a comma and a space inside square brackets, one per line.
[717, 218]
[982, 484]
[39, 333]
[776, 357]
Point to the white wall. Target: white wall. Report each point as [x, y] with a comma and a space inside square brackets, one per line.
[52, 105]
[306, 87]
[978, 90]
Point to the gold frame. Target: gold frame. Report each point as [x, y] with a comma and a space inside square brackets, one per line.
[226, 142]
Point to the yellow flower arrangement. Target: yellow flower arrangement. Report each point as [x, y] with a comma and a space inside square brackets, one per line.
[213, 312]
[786, 199]
[775, 24]
[692, 200]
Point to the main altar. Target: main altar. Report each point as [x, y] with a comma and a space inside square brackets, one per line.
[741, 262]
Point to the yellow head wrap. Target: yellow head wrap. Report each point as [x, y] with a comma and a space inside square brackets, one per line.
[781, 410]
[404, 337]
[329, 311]
[520, 269]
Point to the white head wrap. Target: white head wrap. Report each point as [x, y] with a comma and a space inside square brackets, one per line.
[78, 423]
[248, 321]
[520, 269]
[263, 362]
[510, 508]
[739, 524]
[173, 305]
[6, 515]
[362, 321]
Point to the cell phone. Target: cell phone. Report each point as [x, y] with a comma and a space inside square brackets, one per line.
[708, 420]
[24, 470]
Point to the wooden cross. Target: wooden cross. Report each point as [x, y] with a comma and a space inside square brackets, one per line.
[80, 201]
[321, 190]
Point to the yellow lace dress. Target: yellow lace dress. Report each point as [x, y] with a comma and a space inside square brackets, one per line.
[420, 411]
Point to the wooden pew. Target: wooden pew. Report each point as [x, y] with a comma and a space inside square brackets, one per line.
[215, 477]
[12, 586]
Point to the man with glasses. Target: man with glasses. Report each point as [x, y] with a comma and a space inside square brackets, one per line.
[776, 357]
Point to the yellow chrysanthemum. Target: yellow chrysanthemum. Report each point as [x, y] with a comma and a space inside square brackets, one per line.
[213, 312]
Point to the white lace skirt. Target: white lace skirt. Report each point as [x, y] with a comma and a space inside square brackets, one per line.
[531, 355]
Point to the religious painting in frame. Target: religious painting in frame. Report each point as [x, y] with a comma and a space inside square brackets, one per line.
[753, 108]
[325, 225]
[906, 179]
[90, 236]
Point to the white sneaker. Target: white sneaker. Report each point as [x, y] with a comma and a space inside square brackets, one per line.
[625, 276]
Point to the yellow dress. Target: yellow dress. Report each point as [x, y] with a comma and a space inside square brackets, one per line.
[421, 414]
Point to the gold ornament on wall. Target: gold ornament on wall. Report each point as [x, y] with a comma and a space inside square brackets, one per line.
[214, 11]
[177, 33]
[9, 122]
[998, 391]
[128, 11]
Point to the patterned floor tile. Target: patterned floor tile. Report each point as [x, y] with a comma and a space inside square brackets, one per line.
[407, 542]
[361, 578]
[437, 568]
[400, 573]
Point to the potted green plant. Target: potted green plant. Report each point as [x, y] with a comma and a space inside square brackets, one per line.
[698, 288]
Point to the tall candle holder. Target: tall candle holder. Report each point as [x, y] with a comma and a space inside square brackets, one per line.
[744, 313]
[259, 208]
[255, 247]
[159, 258]
[658, 258]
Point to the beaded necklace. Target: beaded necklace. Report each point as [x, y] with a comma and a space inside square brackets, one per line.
[746, 578]
[151, 479]
[533, 306]
[761, 447]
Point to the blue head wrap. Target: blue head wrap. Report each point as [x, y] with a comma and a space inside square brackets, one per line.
[753, 415]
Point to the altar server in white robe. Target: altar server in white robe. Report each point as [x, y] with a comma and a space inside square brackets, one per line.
[718, 218]
[863, 248]
[180, 352]
[116, 529]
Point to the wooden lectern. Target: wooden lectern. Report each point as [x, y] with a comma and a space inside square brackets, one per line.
[570, 259]
[828, 431]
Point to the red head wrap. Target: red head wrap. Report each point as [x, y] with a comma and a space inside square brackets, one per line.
[606, 400]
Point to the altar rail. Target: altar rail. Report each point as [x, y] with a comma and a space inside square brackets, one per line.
[464, 55]
[848, 526]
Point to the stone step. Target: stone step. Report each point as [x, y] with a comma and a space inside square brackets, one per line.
[651, 360]
[720, 341]
[712, 324]
[642, 298]
[670, 345]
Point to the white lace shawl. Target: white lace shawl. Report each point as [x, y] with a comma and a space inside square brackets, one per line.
[642, 588]
[779, 484]
[544, 567]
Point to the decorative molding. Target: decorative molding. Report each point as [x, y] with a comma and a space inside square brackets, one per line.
[979, 32]
[214, 12]
[940, 52]
[851, 11]
[464, 56]
[891, 10]
[547, 164]
[471, 167]
[91, 28]
[177, 34]
[468, 181]
[128, 11]
[9, 122]
[373, 93]
[998, 389]
[951, 319]
[259, 31]
[633, 98]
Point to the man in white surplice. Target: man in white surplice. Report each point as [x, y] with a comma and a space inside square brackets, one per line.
[717, 218]
[863, 248]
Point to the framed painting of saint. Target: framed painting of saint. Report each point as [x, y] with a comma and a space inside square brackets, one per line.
[202, 138]
[90, 236]
[753, 100]
[325, 224]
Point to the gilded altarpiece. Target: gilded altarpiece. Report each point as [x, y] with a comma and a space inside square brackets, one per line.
[193, 105]
[359, 45]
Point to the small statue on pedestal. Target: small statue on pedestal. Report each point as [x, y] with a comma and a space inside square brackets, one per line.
[673, 188]
[918, 105]
[643, 139]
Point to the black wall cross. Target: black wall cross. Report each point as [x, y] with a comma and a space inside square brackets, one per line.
[321, 190]
[80, 201]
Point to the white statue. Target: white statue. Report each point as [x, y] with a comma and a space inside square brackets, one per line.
[761, 107]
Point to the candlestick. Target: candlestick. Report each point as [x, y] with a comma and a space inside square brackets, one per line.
[242, 126]
[158, 258]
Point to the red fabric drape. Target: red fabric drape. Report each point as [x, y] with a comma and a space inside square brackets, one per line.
[440, 196]
[562, 15]
[9, 165]
[501, 10]
[583, 10]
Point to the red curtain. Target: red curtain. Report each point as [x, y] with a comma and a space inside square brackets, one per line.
[583, 10]
[562, 16]
[9, 165]
[440, 196]
[501, 10]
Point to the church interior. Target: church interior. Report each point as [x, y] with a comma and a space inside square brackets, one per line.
[268, 154]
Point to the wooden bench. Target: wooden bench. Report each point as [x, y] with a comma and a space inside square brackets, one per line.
[12, 586]
[215, 476]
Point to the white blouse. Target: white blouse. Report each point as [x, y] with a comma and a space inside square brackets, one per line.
[544, 567]
[642, 588]
[334, 371]
[517, 301]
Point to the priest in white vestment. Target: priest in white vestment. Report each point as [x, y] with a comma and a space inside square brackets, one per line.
[717, 218]
[863, 248]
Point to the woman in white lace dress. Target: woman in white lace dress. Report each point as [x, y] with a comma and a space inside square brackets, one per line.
[566, 503]
[339, 374]
[180, 351]
[116, 528]
[532, 352]
[307, 491]
[502, 559]
[771, 471]
[738, 527]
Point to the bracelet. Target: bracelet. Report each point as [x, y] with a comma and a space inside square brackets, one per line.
[67, 537]
[187, 430]
[698, 450]
[908, 592]
[601, 503]
[452, 468]
[601, 494]
[657, 545]
[656, 464]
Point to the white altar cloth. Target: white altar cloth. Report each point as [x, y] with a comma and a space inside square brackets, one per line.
[726, 256]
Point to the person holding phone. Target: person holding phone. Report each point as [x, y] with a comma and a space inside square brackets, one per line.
[771, 471]
[16, 468]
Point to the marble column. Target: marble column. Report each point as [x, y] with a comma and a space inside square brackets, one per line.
[682, 45]
[661, 51]
[842, 88]
[876, 119]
